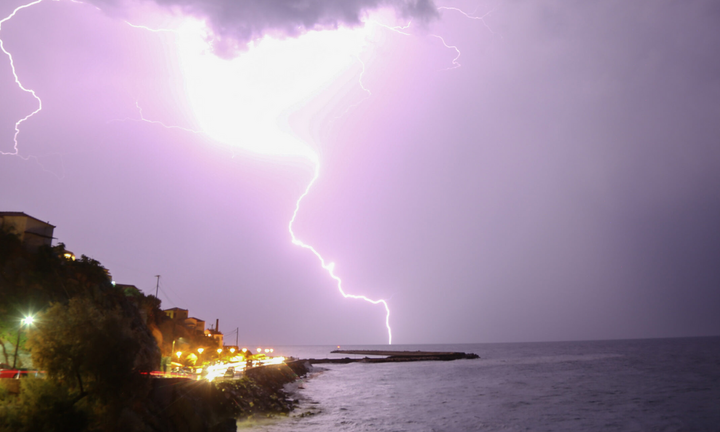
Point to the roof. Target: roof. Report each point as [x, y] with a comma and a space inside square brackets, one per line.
[175, 309]
[39, 235]
[11, 213]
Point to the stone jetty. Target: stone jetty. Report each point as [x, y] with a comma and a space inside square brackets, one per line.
[393, 356]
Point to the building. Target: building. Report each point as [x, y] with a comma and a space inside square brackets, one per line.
[32, 231]
[218, 336]
[195, 324]
[177, 313]
[215, 333]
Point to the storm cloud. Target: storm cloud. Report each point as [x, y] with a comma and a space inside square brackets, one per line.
[235, 23]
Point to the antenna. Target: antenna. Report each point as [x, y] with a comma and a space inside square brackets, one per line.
[157, 285]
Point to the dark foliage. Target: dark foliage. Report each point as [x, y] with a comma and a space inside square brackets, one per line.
[92, 339]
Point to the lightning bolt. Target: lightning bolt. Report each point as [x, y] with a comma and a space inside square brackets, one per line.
[150, 29]
[472, 16]
[15, 151]
[455, 63]
[367, 91]
[396, 29]
[330, 267]
[156, 122]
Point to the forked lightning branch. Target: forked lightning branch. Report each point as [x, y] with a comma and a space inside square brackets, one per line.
[323, 54]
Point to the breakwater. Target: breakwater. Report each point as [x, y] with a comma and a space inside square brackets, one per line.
[393, 356]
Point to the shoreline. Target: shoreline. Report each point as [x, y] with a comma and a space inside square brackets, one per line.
[262, 393]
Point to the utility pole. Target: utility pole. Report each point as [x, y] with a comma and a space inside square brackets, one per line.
[157, 285]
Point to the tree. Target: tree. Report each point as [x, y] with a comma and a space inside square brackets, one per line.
[93, 350]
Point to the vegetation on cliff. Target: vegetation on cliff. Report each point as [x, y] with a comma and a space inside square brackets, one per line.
[96, 341]
[90, 338]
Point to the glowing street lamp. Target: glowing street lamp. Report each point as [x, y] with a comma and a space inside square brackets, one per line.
[27, 321]
[232, 350]
[179, 353]
[200, 350]
[219, 350]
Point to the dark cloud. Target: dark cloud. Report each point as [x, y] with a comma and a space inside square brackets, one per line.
[234, 23]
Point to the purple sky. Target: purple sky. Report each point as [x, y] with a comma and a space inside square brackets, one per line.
[562, 184]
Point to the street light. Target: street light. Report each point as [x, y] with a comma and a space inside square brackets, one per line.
[200, 350]
[25, 321]
[179, 353]
[219, 350]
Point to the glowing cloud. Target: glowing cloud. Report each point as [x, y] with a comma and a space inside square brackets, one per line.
[241, 101]
[232, 23]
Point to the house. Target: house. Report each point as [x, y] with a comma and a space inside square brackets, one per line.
[215, 333]
[177, 313]
[32, 231]
[195, 324]
[218, 336]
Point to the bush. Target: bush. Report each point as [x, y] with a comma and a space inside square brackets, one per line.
[43, 405]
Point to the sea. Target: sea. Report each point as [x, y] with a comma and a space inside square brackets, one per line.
[619, 385]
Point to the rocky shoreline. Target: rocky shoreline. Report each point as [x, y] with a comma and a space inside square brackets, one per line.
[182, 405]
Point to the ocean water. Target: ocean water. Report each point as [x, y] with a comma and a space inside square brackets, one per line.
[628, 385]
